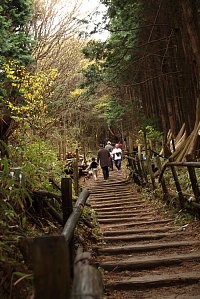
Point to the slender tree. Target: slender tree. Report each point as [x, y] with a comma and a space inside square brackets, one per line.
[15, 50]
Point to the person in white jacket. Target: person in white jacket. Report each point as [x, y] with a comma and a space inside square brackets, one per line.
[117, 156]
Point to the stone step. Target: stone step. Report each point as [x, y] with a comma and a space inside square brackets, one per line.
[119, 208]
[151, 281]
[124, 220]
[137, 231]
[123, 211]
[131, 238]
[139, 223]
[149, 262]
[112, 250]
[117, 204]
[114, 199]
[124, 215]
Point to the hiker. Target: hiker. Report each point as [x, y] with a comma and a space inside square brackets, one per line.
[109, 148]
[93, 168]
[103, 156]
[117, 156]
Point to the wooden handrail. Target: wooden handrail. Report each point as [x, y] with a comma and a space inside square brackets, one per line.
[75, 215]
[181, 164]
[53, 259]
[191, 165]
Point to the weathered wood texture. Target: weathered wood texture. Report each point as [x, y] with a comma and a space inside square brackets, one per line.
[193, 179]
[146, 263]
[144, 248]
[72, 221]
[87, 279]
[51, 268]
[148, 281]
[75, 169]
[46, 194]
[66, 189]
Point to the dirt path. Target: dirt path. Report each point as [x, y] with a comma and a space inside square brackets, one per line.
[143, 253]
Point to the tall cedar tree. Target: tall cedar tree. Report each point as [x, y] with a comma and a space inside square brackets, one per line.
[15, 45]
[152, 56]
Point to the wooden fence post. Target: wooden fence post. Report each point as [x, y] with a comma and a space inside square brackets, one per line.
[151, 172]
[66, 190]
[193, 179]
[51, 266]
[87, 279]
[139, 169]
[144, 170]
[178, 187]
[76, 178]
[164, 187]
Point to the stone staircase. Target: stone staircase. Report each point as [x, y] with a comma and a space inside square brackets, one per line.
[143, 253]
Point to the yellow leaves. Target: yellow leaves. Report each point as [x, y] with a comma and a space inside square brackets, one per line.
[85, 63]
[76, 92]
[34, 91]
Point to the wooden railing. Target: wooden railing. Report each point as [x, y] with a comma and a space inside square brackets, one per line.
[142, 173]
[190, 166]
[57, 273]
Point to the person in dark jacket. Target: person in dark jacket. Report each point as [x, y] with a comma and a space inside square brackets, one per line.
[93, 168]
[109, 148]
[103, 156]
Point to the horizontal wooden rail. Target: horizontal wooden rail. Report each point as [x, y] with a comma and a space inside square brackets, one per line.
[129, 157]
[75, 215]
[180, 164]
[52, 258]
[136, 162]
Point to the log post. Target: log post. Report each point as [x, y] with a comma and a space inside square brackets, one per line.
[66, 189]
[51, 266]
[139, 169]
[151, 172]
[76, 178]
[178, 187]
[193, 179]
[143, 166]
[163, 184]
[87, 282]
[139, 151]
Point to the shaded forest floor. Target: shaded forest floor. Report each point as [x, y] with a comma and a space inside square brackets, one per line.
[146, 225]
[16, 276]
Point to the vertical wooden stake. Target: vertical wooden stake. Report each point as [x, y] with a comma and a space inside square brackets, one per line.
[151, 172]
[51, 265]
[163, 184]
[144, 170]
[193, 179]
[66, 190]
[76, 178]
[178, 187]
[139, 151]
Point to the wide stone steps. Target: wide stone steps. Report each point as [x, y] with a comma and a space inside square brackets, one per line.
[111, 250]
[143, 254]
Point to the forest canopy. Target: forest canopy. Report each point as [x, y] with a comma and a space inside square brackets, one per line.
[60, 85]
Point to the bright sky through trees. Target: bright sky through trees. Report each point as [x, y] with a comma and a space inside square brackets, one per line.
[89, 6]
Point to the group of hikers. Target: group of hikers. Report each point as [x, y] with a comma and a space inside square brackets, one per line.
[105, 157]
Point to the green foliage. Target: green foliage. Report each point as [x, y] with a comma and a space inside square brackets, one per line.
[38, 161]
[92, 77]
[33, 162]
[110, 110]
[152, 135]
[12, 193]
[112, 64]
[15, 43]
[116, 55]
